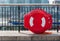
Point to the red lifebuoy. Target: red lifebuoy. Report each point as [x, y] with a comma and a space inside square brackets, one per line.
[38, 21]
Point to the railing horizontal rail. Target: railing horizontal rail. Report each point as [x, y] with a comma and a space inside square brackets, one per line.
[26, 4]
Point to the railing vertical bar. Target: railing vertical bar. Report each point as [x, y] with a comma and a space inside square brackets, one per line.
[10, 16]
[54, 16]
[2, 17]
[18, 18]
[13, 15]
[57, 18]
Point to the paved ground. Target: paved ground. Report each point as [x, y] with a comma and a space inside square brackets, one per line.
[27, 33]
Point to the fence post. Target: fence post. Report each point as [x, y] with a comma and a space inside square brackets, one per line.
[18, 18]
[57, 18]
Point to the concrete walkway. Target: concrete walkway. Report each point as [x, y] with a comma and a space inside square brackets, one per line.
[29, 36]
[27, 33]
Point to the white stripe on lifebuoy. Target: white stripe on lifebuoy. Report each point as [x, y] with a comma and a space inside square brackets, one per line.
[43, 22]
[31, 21]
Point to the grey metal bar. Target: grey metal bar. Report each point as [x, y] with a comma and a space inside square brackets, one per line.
[31, 4]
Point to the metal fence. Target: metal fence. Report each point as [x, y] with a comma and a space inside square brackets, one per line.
[15, 12]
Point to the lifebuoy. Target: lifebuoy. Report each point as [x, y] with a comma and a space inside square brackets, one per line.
[38, 21]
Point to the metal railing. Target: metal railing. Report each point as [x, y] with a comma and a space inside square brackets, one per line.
[15, 12]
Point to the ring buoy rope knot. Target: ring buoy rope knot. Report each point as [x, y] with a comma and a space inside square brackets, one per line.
[38, 21]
